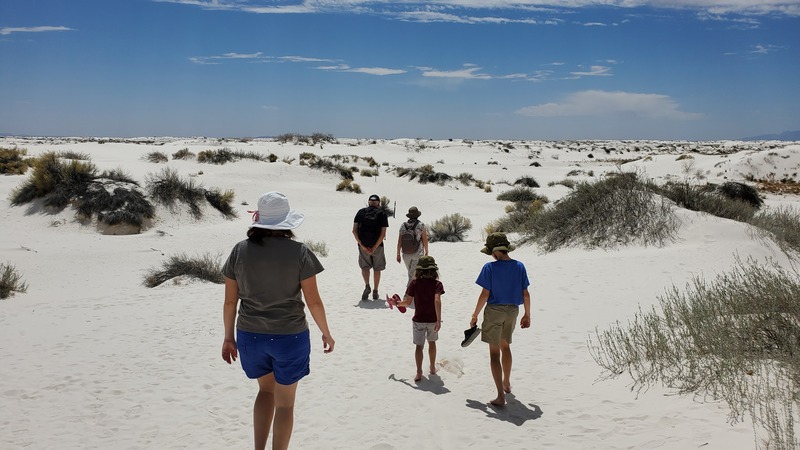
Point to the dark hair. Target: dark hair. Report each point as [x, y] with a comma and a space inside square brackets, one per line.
[257, 235]
[432, 274]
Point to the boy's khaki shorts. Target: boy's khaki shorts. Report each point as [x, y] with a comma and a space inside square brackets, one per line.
[499, 322]
[424, 332]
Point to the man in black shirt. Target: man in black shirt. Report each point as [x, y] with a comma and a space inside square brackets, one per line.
[369, 229]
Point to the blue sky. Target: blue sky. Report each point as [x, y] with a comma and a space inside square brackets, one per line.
[491, 69]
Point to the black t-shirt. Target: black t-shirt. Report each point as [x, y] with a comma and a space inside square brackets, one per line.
[370, 220]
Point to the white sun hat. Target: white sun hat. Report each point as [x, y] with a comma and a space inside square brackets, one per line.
[274, 213]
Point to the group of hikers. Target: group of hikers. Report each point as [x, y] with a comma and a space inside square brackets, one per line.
[271, 278]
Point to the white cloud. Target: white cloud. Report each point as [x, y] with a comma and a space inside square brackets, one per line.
[594, 71]
[258, 56]
[303, 59]
[9, 30]
[468, 73]
[380, 71]
[604, 103]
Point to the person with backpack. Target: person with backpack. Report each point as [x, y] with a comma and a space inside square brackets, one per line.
[412, 242]
[369, 229]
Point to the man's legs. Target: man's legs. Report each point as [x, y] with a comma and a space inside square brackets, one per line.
[376, 282]
[365, 275]
[497, 374]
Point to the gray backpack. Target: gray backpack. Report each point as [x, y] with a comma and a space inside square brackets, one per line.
[409, 242]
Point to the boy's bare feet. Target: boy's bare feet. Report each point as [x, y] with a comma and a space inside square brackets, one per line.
[433, 370]
[499, 401]
[418, 376]
[507, 388]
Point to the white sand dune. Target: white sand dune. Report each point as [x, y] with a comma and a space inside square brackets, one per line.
[94, 359]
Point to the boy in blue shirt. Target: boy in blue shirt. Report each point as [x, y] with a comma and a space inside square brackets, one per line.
[505, 287]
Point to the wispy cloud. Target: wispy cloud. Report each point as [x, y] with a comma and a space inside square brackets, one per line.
[380, 71]
[216, 59]
[9, 30]
[594, 71]
[467, 73]
[468, 11]
[604, 103]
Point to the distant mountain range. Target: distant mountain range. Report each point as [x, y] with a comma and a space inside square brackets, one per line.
[785, 136]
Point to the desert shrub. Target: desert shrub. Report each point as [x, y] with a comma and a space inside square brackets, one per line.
[386, 206]
[736, 339]
[465, 178]
[10, 281]
[220, 156]
[424, 175]
[518, 216]
[71, 154]
[348, 186]
[287, 159]
[518, 194]
[739, 191]
[322, 137]
[707, 199]
[319, 248]
[487, 188]
[54, 180]
[167, 188]
[203, 267]
[326, 165]
[450, 228]
[115, 200]
[272, 157]
[371, 161]
[369, 172]
[618, 210]
[221, 201]
[286, 137]
[183, 153]
[156, 157]
[782, 225]
[565, 182]
[13, 161]
[527, 181]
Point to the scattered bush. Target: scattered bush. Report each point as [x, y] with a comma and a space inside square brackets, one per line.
[782, 225]
[527, 181]
[69, 154]
[465, 178]
[220, 156]
[184, 154]
[565, 182]
[424, 175]
[618, 210]
[156, 157]
[348, 186]
[369, 172]
[319, 248]
[385, 201]
[10, 281]
[13, 162]
[742, 192]
[735, 338]
[518, 194]
[167, 188]
[450, 228]
[204, 267]
[709, 200]
[221, 201]
[326, 165]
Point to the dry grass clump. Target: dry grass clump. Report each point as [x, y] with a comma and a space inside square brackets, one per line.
[203, 267]
[10, 281]
[315, 138]
[450, 228]
[326, 165]
[617, 210]
[369, 172]
[112, 196]
[70, 154]
[13, 161]
[782, 225]
[219, 156]
[183, 154]
[708, 199]
[736, 339]
[785, 186]
[156, 157]
[519, 194]
[565, 182]
[348, 186]
[168, 188]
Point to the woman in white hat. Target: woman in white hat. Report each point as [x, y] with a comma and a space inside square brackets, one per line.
[268, 275]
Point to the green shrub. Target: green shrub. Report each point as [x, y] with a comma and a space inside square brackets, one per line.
[618, 210]
[385, 206]
[450, 228]
[425, 174]
[519, 194]
[465, 178]
[739, 191]
[183, 153]
[70, 154]
[326, 165]
[220, 156]
[13, 162]
[709, 200]
[736, 339]
[156, 157]
[782, 225]
[221, 201]
[527, 181]
[168, 188]
[10, 281]
[204, 267]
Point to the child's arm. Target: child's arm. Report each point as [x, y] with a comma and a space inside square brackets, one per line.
[479, 306]
[406, 301]
[525, 322]
[438, 302]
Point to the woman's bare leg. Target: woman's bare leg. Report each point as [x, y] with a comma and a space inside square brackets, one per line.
[284, 415]
[263, 410]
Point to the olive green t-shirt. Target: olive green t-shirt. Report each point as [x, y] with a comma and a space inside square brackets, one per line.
[269, 278]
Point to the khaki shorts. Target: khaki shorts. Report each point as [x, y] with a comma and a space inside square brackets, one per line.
[375, 261]
[499, 322]
[424, 332]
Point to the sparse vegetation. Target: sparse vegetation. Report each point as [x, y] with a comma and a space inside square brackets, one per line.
[167, 188]
[13, 161]
[203, 267]
[519, 194]
[425, 174]
[184, 154]
[156, 157]
[735, 339]
[10, 281]
[527, 182]
[450, 228]
[348, 186]
[782, 225]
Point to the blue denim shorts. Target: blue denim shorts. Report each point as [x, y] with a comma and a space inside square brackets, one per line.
[288, 355]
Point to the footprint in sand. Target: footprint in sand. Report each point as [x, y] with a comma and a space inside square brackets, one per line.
[456, 367]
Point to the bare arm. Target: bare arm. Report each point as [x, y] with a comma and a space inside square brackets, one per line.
[317, 310]
[425, 239]
[484, 295]
[438, 302]
[405, 301]
[399, 236]
[380, 239]
[525, 322]
[229, 348]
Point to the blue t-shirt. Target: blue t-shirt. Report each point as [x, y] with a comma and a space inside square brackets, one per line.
[505, 281]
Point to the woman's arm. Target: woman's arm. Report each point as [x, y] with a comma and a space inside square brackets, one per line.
[425, 239]
[399, 236]
[317, 310]
[484, 295]
[229, 349]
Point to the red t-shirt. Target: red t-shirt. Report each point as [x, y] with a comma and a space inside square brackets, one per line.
[424, 291]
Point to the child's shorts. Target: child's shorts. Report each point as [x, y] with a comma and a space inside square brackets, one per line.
[288, 355]
[498, 324]
[424, 332]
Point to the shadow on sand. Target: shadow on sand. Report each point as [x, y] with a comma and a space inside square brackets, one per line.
[371, 304]
[431, 383]
[513, 412]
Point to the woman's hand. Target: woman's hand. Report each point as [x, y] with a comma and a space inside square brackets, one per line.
[327, 343]
[229, 350]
